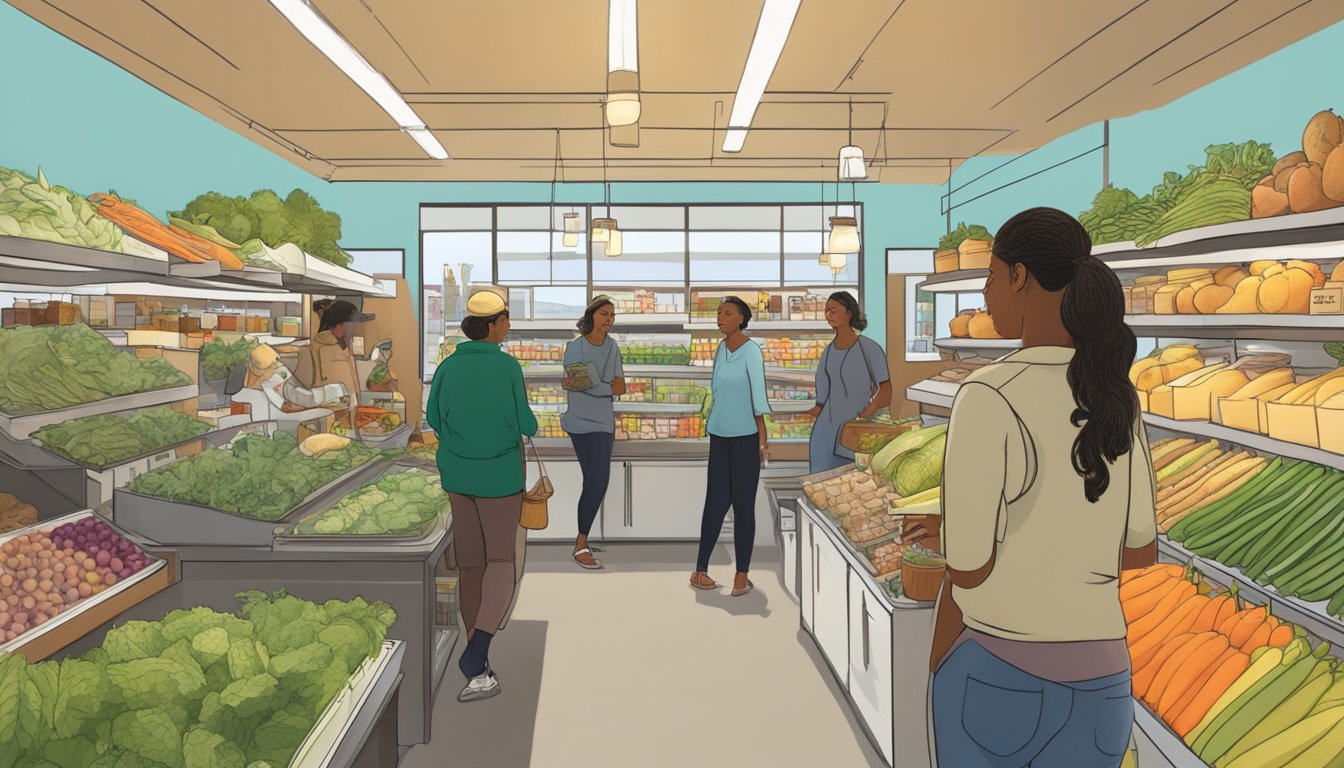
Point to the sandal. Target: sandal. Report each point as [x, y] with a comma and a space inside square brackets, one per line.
[738, 592]
[701, 580]
[594, 566]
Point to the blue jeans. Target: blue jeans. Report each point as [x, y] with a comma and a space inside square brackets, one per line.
[989, 714]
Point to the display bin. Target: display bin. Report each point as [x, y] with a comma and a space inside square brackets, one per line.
[181, 523]
[91, 612]
[22, 426]
[354, 727]
[333, 494]
[387, 441]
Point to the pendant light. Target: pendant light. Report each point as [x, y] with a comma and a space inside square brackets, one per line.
[825, 258]
[844, 235]
[571, 236]
[850, 163]
[604, 227]
[622, 107]
[838, 261]
[615, 243]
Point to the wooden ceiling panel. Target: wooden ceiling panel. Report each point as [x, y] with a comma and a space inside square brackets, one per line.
[827, 41]
[695, 46]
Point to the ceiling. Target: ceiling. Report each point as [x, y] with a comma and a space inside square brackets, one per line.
[921, 85]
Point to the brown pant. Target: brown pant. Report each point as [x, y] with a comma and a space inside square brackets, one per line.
[485, 533]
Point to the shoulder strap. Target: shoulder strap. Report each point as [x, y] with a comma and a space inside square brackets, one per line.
[872, 380]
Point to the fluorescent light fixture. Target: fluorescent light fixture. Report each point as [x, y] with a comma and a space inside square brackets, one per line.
[851, 164]
[326, 39]
[615, 243]
[844, 236]
[771, 33]
[622, 36]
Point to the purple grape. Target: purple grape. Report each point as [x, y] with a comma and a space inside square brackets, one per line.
[125, 573]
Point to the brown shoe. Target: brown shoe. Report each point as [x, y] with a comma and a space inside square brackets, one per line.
[701, 580]
[742, 585]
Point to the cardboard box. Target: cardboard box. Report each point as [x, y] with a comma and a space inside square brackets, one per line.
[1328, 300]
[1330, 425]
[1249, 413]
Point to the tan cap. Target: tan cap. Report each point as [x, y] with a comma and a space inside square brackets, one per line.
[485, 304]
[262, 361]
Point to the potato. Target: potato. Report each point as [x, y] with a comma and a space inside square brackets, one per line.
[7, 500]
[1305, 191]
[1230, 276]
[1267, 201]
[1290, 160]
[1300, 283]
[1322, 135]
[1311, 268]
[1208, 299]
[960, 327]
[1185, 301]
[1282, 177]
[1274, 294]
[1332, 175]
[1244, 299]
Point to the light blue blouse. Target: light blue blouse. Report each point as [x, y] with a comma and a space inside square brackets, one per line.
[738, 385]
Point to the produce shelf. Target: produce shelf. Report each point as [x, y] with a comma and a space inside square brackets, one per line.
[1156, 745]
[90, 613]
[20, 427]
[936, 393]
[349, 719]
[1250, 440]
[977, 343]
[181, 523]
[657, 408]
[792, 406]
[675, 372]
[960, 281]
[444, 642]
[1311, 616]
[1262, 327]
[768, 325]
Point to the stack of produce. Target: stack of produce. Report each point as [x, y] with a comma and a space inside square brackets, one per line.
[1216, 193]
[1279, 524]
[1191, 475]
[548, 425]
[655, 353]
[196, 688]
[102, 440]
[964, 248]
[1196, 394]
[15, 514]
[1163, 366]
[804, 352]
[264, 219]
[43, 573]
[396, 505]
[1242, 689]
[789, 426]
[858, 503]
[219, 358]
[1306, 181]
[35, 209]
[256, 476]
[44, 369]
[536, 351]
[703, 351]
[144, 227]
[886, 558]
[633, 426]
[546, 394]
[913, 462]
[973, 324]
[790, 392]
[1262, 287]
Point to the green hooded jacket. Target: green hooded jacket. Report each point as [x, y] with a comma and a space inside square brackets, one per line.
[478, 407]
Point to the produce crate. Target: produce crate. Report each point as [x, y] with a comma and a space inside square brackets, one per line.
[21, 426]
[89, 613]
[387, 441]
[180, 523]
[333, 494]
[854, 431]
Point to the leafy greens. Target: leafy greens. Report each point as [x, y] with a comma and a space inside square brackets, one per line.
[98, 441]
[263, 216]
[35, 209]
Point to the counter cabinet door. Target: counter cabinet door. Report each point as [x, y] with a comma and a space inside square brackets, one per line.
[807, 569]
[870, 659]
[664, 501]
[562, 508]
[831, 606]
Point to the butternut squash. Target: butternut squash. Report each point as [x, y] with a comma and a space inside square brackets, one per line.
[1229, 276]
[1208, 299]
[1245, 298]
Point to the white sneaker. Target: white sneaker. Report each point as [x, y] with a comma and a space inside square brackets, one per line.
[482, 686]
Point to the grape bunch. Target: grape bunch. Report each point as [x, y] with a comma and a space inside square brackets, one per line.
[42, 574]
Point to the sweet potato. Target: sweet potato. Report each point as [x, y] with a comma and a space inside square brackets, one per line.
[1322, 135]
[1266, 202]
[1208, 299]
[1306, 192]
[1332, 175]
[1290, 160]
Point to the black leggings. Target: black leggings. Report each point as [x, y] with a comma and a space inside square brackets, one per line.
[734, 472]
[594, 452]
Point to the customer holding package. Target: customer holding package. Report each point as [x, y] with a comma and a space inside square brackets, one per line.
[329, 359]
[594, 376]
[852, 383]
[737, 444]
[478, 407]
[1047, 495]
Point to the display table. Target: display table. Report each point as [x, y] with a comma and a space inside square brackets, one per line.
[876, 644]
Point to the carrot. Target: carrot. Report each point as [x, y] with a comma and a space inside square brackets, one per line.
[176, 241]
[1247, 626]
[1179, 622]
[1193, 688]
[1150, 580]
[1153, 696]
[1259, 638]
[1206, 621]
[1225, 611]
[1205, 658]
[1171, 597]
[1280, 637]
[1230, 623]
[1144, 674]
[1209, 692]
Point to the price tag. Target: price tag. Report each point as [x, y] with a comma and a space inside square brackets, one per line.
[1328, 300]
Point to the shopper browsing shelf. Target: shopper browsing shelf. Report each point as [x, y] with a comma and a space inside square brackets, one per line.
[478, 407]
[737, 444]
[329, 359]
[852, 383]
[594, 376]
[1048, 492]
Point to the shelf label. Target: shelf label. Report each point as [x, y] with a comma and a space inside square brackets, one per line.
[1328, 300]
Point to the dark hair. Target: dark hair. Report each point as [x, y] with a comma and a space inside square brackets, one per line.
[846, 299]
[477, 328]
[741, 307]
[335, 313]
[322, 305]
[585, 324]
[1057, 251]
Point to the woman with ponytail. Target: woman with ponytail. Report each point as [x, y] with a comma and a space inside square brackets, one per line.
[1048, 493]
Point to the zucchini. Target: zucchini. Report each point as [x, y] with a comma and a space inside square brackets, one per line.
[1214, 514]
[1230, 545]
[1231, 515]
[1305, 535]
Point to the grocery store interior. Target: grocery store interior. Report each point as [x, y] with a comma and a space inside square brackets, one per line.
[212, 553]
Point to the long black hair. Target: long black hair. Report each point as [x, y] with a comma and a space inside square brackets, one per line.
[477, 328]
[846, 299]
[585, 324]
[1057, 251]
[741, 307]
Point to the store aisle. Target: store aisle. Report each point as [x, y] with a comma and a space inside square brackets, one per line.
[631, 667]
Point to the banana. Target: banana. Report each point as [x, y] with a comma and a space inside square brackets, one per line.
[1292, 711]
[1261, 665]
[1333, 696]
[1318, 735]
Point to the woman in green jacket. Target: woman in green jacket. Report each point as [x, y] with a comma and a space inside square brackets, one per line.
[478, 407]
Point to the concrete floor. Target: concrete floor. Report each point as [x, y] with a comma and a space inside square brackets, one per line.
[630, 666]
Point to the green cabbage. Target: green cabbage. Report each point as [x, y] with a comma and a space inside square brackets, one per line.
[219, 357]
[922, 468]
[297, 219]
[961, 234]
[892, 452]
[34, 209]
[397, 504]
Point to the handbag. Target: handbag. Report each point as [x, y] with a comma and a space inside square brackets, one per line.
[534, 516]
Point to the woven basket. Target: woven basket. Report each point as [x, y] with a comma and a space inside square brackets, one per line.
[922, 583]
